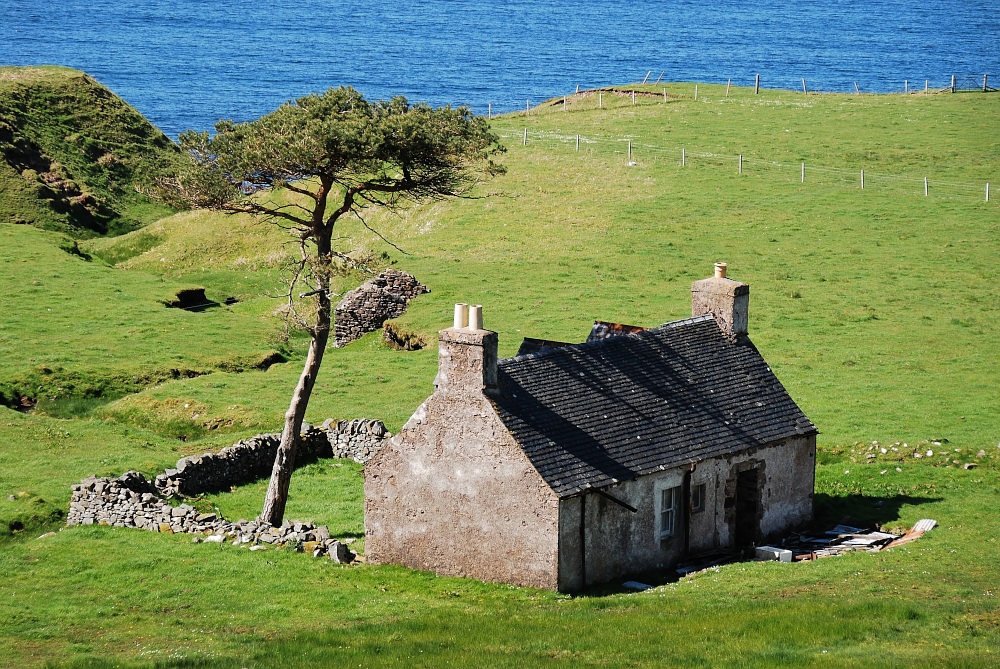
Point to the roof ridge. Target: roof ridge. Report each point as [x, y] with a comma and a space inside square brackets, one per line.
[692, 320]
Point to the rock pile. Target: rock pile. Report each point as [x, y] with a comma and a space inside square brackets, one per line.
[370, 305]
[131, 501]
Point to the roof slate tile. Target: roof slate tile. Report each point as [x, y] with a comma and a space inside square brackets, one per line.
[629, 405]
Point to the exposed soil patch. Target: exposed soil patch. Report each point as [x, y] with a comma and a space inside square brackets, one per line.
[24, 404]
[191, 299]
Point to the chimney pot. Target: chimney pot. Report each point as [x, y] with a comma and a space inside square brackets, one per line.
[461, 315]
[476, 317]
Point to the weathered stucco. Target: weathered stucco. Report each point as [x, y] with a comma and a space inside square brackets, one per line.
[618, 542]
[453, 493]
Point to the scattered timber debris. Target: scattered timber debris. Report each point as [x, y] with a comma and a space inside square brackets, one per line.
[844, 538]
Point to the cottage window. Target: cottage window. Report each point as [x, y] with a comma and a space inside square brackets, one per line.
[670, 507]
[698, 498]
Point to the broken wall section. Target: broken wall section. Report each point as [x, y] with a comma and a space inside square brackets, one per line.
[367, 307]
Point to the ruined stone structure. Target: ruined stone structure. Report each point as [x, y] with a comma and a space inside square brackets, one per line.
[253, 458]
[574, 464]
[132, 501]
[370, 305]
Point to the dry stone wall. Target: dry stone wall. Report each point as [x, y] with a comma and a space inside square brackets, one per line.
[132, 501]
[370, 305]
[253, 458]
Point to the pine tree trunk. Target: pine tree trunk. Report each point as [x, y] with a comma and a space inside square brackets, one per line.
[284, 461]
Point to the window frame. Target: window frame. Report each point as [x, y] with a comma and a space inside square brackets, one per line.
[674, 494]
[698, 491]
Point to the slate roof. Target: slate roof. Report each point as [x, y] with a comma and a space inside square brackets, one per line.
[588, 415]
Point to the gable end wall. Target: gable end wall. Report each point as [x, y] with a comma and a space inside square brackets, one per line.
[454, 494]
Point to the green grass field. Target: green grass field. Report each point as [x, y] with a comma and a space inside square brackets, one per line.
[877, 308]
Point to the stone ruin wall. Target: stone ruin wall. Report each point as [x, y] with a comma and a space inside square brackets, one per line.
[132, 501]
[367, 307]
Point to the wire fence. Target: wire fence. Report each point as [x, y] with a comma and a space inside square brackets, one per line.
[632, 152]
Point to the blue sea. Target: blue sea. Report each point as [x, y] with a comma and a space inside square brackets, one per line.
[187, 63]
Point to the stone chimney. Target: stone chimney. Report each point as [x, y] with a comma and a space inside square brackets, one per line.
[467, 354]
[727, 300]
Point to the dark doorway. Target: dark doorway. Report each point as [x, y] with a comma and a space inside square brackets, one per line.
[747, 508]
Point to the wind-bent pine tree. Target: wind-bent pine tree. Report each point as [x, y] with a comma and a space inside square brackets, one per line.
[340, 153]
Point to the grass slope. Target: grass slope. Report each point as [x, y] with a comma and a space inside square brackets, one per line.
[876, 308]
[74, 156]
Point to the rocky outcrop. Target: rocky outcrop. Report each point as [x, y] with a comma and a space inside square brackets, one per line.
[370, 305]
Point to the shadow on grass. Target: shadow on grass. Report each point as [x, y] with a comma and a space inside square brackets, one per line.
[864, 509]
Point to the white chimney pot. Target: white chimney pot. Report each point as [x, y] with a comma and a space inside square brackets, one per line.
[461, 315]
[476, 317]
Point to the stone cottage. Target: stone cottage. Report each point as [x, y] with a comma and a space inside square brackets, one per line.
[574, 464]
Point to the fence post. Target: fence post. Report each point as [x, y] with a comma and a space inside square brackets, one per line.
[987, 191]
[490, 110]
[741, 164]
[527, 106]
[756, 84]
[804, 91]
[564, 103]
[925, 186]
[647, 77]
[525, 141]
[984, 83]
[630, 150]
[803, 173]
[578, 143]
[633, 98]
[664, 94]
[953, 83]
[696, 91]
[728, 84]
[684, 162]
[862, 179]
[856, 88]
[906, 86]
[578, 88]
[600, 99]
[661, 76]
[927, 83]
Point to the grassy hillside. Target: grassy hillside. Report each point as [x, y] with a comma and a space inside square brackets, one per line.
[875, 307]
[74, 156]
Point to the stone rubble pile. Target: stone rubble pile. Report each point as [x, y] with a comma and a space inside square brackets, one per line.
[370, 305]
[131, 501]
